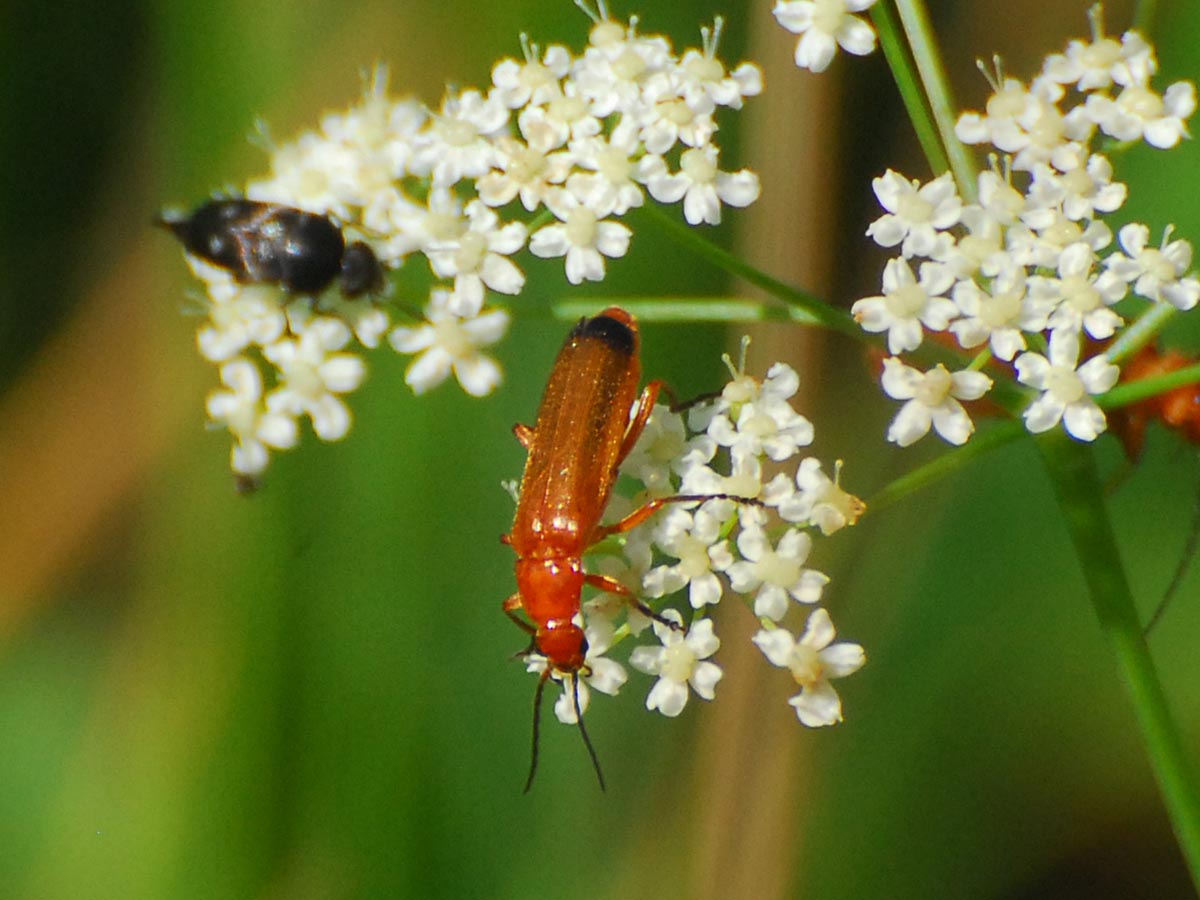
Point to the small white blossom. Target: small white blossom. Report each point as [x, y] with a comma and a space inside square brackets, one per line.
[1080, 298]
[779, 386]
[1156, 273]
[907, 304]
[628, 570]
[478, 258]
[525, 171]
[618, 63]
[814, 661]
[818, 500]
[1102, 62]
[695, 541]
[700, 184]
[1082, 192]
[254, 427]
[775, 573]
[673, 120]
[1138, 62]
[981, 250]
[933, 399]
[1067, 391]
[1027, 122]
[768, 425]
[449, 343]
[532, 81]
[703, 81]
[312, 375]
[439, 221]
[743, 480]
[605, 182]
[1139, 113]
[680, 662]
[998, 125]
[568, 116]
[312, 173]
[458, 143]
[1043, 245]
[1002, 202]
[823, 26]
[998, 315]
[582, 237]
[917, 216]
[248, 315]
[366, 319]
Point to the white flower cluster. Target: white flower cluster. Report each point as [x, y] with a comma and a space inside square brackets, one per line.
[758, 551]
[1027, 272]
[584, 136]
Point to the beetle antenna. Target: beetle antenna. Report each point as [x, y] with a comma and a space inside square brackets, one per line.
[1189, 552]
[587, 741]
[537, 716]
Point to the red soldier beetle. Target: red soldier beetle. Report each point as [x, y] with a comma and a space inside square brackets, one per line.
[590, 418]
[1178, 409]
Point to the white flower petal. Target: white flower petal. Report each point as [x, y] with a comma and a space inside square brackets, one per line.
[818, 706]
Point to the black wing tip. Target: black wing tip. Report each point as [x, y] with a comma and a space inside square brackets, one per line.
[613, 326]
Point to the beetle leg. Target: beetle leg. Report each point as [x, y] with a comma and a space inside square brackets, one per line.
[644, 407]
[523, 434]
[612, 586]
[678, 405]
[641, 414]
[646, 510]
[511, 605]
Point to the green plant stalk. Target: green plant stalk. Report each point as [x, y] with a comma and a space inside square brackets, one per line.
[1141, 332]
[908, 82]
[936, 85]
[944, 464]
[1077, 486]
[726, 310]
[821, 313]
[1148, 387]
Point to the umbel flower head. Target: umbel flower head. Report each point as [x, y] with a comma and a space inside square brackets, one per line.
[697, 554]
[562, 142]
[1027, 272]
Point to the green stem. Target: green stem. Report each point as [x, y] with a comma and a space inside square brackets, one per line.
[820, 312]
[936, 85]
[721, 310]
[908, 82]
[946, 463]
[1149, 387]
[1080, 494]
[1141, 332]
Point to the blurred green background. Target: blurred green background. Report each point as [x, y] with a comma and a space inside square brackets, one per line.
[309, 693]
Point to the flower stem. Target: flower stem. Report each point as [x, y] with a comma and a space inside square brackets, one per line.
[1133, 391]
[820, 312]
[1141, 332]
[721, 310]
[945, 464]
[936, 86]
[908, 82]
[1072, 470]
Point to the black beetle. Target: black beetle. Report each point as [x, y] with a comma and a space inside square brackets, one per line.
[270, 243]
